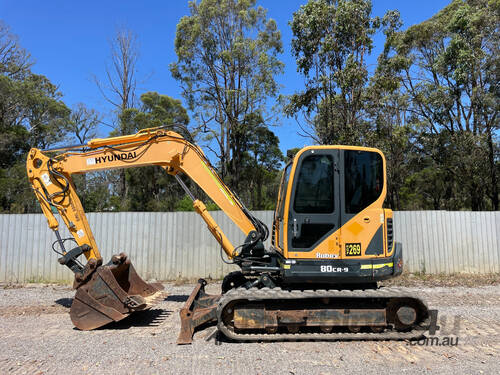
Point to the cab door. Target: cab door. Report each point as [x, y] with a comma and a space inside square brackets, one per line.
[314, 208]
[362, 195]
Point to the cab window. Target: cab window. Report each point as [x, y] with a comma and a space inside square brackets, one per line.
[284, 184]
[315, 193]
[364, 179]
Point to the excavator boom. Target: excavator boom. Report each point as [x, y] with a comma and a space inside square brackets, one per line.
[110, 292]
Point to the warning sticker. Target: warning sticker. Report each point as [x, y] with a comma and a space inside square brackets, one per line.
[46, 179]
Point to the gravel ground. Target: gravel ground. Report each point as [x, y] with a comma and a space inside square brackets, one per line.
[38, 338]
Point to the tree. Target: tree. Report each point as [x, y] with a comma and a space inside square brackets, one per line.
[119, 88]
[83, 123]
[156, 110]
[226, 63]
[332, 39]
[150, 188]
[93, 188]
[448, 67]
[31, 115]
[386, 111]
[15, 61]
[261, 165]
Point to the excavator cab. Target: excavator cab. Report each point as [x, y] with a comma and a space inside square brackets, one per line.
[329, 225]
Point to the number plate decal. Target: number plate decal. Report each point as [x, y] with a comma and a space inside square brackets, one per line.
[352, 249]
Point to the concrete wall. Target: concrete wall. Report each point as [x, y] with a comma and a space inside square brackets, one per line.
[171, 245]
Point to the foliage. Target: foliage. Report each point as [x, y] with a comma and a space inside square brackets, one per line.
[260, 169]
[332, 40]
[186, 204]
[151, 188]
[31, 115]
[83, 123]
[447, 72]
[431, 104]
[155, 110]
[226, 63]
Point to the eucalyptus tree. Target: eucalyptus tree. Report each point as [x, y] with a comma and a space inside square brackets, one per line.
[448, 67]
[332, 40]
[150, 188]
[32, 114]
[227, 61]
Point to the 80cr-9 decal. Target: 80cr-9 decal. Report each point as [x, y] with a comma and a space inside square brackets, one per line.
[330, 268]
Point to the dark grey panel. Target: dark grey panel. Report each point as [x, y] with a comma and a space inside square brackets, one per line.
[376, 246]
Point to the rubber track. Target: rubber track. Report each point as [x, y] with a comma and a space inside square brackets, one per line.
[255, 294]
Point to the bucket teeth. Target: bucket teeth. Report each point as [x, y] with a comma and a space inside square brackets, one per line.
[156, 298]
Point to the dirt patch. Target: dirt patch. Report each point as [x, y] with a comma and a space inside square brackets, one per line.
[32, 310]
[38, 337]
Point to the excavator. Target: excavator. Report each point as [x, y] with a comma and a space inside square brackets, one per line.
[331, 243]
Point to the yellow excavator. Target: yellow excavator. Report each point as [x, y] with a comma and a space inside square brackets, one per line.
[332, 241]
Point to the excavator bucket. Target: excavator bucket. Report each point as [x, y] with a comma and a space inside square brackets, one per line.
[111, 293]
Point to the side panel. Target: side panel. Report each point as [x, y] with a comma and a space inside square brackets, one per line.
[389, 232]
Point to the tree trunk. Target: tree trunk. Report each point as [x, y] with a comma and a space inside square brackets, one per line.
[475, 197]
[123, 185]
[493, 172]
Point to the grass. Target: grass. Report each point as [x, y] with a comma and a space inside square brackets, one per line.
[190, 280]
[406, 279]
[42, 280]
[444, 280]
[34, 281]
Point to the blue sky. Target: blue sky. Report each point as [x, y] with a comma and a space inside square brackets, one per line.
[69, 42]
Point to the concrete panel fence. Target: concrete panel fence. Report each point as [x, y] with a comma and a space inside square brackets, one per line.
[172, 245]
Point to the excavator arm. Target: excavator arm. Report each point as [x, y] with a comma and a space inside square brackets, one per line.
[111, 291]
[51, 179]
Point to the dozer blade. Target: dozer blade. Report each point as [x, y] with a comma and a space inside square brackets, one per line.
[199, 309]
[111, 293]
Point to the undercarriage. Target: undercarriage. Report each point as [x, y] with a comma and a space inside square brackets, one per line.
[277, 314]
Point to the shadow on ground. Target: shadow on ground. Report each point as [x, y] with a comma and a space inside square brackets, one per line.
[177, 298]
[64, 302]
[145, 318]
